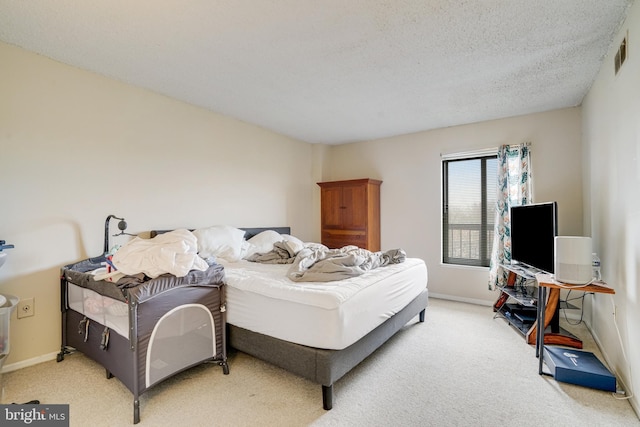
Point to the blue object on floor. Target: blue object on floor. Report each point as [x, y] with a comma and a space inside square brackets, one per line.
[578, 367]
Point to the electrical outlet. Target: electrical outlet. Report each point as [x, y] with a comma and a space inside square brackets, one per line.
[26, 308]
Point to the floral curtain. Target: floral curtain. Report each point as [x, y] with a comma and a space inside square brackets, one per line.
[515, 187]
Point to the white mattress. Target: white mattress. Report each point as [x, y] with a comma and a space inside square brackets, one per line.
[331, 315]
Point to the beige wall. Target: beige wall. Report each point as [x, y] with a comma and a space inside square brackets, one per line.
[76, 147]
[410, 167]
[611, 129]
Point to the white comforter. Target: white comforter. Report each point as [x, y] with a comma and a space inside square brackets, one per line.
[174, 252]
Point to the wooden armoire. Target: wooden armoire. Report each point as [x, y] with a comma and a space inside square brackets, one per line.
[350, 213]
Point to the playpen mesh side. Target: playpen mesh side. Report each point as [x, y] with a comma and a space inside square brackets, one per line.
[181, 336]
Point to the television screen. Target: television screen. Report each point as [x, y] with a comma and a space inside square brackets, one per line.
[533, 231]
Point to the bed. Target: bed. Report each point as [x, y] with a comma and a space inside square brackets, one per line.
[144, 330]
[319, 331]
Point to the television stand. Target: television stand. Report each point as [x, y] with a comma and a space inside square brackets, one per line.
[518, 305]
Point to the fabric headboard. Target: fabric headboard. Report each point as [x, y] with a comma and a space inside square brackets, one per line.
[248, 232]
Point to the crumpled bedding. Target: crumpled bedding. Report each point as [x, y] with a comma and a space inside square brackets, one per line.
[320, 264]
[282, 253]
[175, 252]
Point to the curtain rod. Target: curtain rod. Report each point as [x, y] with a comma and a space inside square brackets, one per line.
[468, 154]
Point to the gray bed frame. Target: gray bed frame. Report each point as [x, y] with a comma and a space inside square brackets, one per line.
[321, 366]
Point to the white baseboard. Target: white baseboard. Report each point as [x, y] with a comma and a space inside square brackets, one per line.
[461, 299]
[29, 362]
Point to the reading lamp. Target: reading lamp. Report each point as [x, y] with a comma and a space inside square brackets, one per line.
[122, 225]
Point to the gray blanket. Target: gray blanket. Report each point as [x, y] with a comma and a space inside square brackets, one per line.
[317, 264]
[282, 253]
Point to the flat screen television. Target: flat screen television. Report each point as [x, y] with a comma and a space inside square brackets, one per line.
[533, 231]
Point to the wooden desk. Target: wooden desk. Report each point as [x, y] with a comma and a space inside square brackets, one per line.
[547, 282]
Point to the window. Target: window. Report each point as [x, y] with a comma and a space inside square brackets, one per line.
[469, 193]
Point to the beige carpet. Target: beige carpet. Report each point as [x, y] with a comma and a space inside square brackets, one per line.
[459, 368]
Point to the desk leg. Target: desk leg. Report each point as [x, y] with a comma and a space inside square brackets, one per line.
[549, 307]
[542, 298]
[540, 310]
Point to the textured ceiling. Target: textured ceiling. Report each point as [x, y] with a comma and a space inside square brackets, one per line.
[334, 71]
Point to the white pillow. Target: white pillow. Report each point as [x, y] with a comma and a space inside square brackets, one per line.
[295, 244]
[262, 242]
[222, 241]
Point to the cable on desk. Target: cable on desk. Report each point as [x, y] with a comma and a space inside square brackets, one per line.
[567, 300]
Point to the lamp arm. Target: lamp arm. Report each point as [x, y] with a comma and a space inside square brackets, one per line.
[106, 231]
